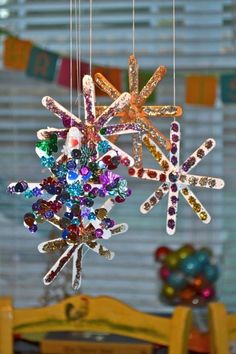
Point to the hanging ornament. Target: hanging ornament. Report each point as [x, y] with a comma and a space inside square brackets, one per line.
[175, 178]
[83, 172]
[188, 280]
[136, 112]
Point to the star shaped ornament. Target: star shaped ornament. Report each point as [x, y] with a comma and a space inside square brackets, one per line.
[84, 235]
[176, 179]
[81, 174]
[136, 112]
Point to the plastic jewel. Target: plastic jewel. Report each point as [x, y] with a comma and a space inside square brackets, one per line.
[86, 235]
[78, 176]
[176, 178]
[135, 112]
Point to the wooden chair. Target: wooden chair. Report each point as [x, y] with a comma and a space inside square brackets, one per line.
[222, 328]
[95, 314]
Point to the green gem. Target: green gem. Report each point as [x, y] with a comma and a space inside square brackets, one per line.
[103, 131]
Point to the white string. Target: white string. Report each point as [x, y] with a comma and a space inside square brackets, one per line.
[71, 53]
[174, 55]
[78, 52]
[90, 34]
[133, 27]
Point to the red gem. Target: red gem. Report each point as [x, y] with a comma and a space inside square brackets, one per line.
[131, 171]
[118, 199]
[162, 177]
[140, 173]
[106, 159]
[125, 161]
[152, 174]
[110, 166]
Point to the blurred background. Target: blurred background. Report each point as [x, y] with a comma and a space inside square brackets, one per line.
[205, 46]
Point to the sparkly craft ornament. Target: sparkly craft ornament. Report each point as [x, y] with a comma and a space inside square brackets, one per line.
[175, 178]
[136, 112]
[77, 177]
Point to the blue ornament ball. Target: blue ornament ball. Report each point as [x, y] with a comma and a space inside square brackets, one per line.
[211, 272]
[177, 280]
[202, 256]
[191, 266]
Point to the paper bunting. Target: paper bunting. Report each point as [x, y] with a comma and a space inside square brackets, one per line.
[175, 178]
[201, 90]
[82, 173]
[228, 88]
[16, 53]
[42, 64]
[114, 75]
[136, 112]
[64, 73]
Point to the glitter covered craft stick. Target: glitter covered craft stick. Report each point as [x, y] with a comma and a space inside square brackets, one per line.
[151, 84]
[154, 198]
[77, 268]
[196, 205]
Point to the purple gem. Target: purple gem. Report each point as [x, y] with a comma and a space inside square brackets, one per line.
[185, 167]
[128, 192]
[111, 223]
[37, 191]
[101, 193]
[66, 121]
[173, 148]
[49, 214]
[171, 211]
[35, 206]
[99, 233]
[174, 160]
[171, 223]
[33, 228]
[90, 116]
[95, 191]
[175, 127]
[174, 187]
[87, 187]
[174, 199]
[84, 171]
[175, 138]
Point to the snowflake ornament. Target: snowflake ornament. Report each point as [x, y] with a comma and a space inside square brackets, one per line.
[136, 112]
[176, 179]
[84, 235]
[82, 173]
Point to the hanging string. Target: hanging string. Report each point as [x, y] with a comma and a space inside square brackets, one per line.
[78, 53]
[90, 34]
[133, 27]
[71, 53]
[174, 55]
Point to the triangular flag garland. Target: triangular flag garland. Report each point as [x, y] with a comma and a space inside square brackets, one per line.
[83, 172]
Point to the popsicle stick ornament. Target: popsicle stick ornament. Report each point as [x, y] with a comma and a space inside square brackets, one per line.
[85, 235]
[136, 112]
[79, 175]
[176, 178]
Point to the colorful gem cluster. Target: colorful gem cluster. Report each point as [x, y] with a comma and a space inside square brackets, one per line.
[188, 275]
[78, 177]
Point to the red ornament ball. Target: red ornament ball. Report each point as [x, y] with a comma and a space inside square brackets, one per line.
[161, 253]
